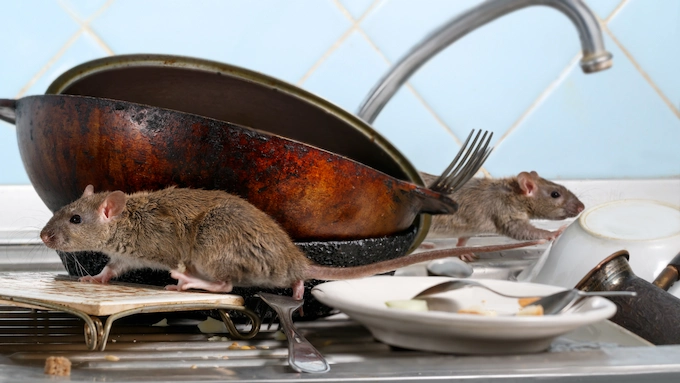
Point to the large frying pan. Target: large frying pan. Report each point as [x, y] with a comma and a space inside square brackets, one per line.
[67, 142]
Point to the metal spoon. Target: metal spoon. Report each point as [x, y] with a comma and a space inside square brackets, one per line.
[457, 284]
[302, 356]
[562, 301]
[552, 304]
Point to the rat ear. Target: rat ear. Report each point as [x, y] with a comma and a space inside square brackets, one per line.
[89, 190]
[533, 173]
[526, 183]
[112, 206]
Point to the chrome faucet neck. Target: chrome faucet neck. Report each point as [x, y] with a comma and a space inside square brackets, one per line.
[595, 57]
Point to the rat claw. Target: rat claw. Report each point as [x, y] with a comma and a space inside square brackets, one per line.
[91, 279]
[553, 236]
[468, 257]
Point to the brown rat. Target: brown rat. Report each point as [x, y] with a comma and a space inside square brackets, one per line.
[505, 206]
[208, 239]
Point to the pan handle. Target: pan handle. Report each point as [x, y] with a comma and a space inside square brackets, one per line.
[8, 110]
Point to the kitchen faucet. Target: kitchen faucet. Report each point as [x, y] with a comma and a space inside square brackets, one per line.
[595, 57]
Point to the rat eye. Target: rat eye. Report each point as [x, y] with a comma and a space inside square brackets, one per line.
[555, 194]
[75, 219]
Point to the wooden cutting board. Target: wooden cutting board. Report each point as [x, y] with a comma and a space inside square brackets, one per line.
[98, 299]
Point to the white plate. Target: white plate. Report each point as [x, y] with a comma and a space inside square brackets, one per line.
[364, 301]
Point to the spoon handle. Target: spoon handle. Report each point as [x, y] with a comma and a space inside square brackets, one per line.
[607, 293]
[302, 356]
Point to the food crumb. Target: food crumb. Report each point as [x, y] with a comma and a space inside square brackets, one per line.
[523, 302]
[264, 347]
[112, 358]
[57, 365]
[212, 326]
[530, 310]
[225, 357]
[193, 367]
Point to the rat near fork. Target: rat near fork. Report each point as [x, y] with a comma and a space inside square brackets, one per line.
[504, 206]
[208, 239]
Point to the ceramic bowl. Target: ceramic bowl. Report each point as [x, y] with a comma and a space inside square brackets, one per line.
[649, 230]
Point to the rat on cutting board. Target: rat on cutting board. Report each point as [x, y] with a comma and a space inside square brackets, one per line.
[208, 239]
[505, 206]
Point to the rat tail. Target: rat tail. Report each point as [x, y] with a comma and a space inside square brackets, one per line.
[338, 273]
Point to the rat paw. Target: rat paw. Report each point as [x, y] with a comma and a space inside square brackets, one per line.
[89, 279]
[427, 246]
[553, 235]
[468, 257]
[186, 281]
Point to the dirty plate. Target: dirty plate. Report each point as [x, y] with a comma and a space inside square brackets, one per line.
[451, 332]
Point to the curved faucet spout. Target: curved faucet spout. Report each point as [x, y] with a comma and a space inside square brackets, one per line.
[595, 57]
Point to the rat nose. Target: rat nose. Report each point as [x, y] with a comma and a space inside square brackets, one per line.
[45, 236]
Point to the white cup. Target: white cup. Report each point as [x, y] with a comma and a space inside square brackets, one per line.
[649, 230]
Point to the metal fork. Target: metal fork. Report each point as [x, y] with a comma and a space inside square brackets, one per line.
[302, 356]
[462, 169]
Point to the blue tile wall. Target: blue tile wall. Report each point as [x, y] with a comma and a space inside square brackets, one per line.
[517, 76]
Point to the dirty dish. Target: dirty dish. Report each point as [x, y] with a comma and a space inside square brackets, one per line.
[364, 300]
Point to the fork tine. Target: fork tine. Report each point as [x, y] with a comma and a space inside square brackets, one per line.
[460, 170]
[463, 165]
[472, 166]
[442, 177]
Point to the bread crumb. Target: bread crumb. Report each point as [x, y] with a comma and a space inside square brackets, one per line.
[58, 365]
[536, 310]
[112, 358]
[523, 302]
[478, 311]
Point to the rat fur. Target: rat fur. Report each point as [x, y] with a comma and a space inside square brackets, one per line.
[505, 206]
[207, 239]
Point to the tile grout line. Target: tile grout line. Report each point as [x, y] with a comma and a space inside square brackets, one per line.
[417, 95]
[644, 74]
[83, 29]
[49, 63]
[432, 112]
[337, 43]
[412, 89]
[94, 35]
[541, 97]
[615, 12]
[85, 24]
